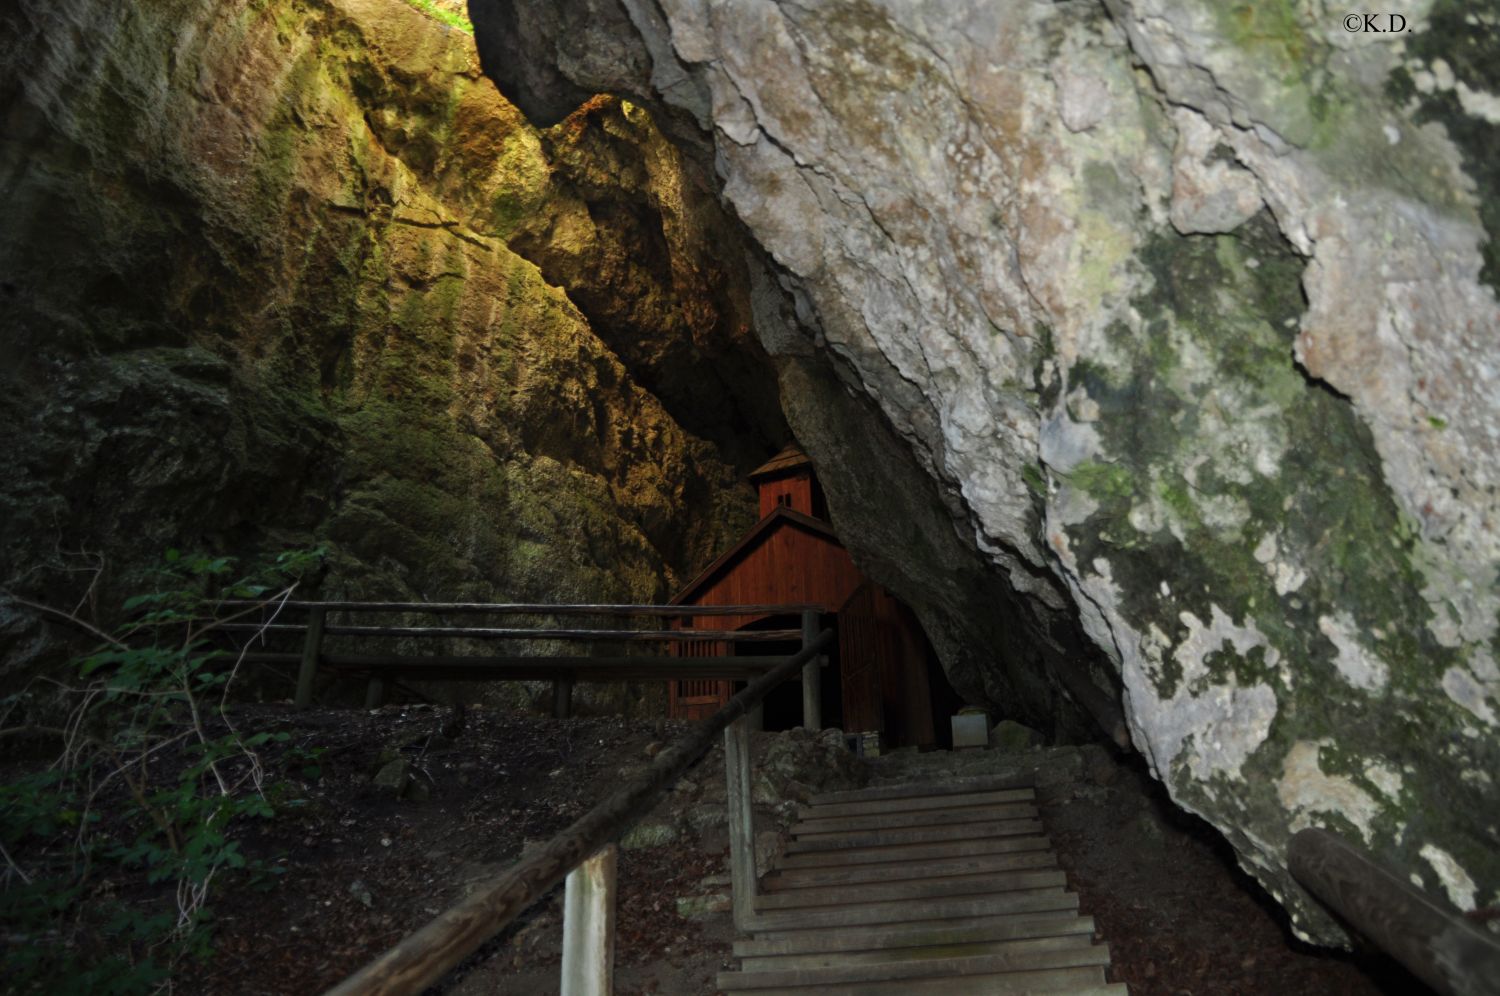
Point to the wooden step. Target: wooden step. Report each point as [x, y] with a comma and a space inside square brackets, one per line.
[913, 911]
[920, 888]
[1065, 982]
[1036, 967]
[935, 888]
[915, 802]
[907, 790]
[898, 871]
[882, 956]
[914, 835]
[917, 818]
[878, 854]
[974, 931]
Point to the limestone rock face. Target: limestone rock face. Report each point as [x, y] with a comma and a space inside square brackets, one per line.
[1189, 311]
[257, 294]
[633, 230]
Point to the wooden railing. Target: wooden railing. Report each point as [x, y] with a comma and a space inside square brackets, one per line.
[1450, 954]
[321, 624]
[1455, 957]
[584, 854]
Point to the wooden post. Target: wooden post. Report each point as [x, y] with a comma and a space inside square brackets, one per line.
[562, 698]
[312, 647]
[375, 692]
[742, 876]
[1453, 956]
[588, 949]
[812, 676]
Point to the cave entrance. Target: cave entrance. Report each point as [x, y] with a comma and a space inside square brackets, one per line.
[883, 676]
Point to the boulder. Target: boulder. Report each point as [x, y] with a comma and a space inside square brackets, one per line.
[394, 776]
[1008, 735]
[704, 906]
[1146, 361]
[644, 835]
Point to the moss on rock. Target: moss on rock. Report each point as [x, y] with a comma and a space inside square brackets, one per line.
[1257, 493]
[293, 321]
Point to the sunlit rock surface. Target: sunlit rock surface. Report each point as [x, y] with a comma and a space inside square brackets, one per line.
[257, 294]
[1189, 309]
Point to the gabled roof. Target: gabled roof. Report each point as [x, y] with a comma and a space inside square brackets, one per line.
[780, 517]
[789, 459]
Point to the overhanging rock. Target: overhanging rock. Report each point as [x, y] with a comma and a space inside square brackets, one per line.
[1187, 315]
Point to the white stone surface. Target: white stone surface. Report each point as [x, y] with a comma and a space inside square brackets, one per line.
[966, 195]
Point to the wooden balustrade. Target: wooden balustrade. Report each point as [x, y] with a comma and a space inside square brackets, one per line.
[426, 955]
[532, 609]
[563, 671]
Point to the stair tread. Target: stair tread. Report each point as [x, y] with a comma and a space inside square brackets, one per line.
[912, 911]
[972, 930]
[883, 854]
[1065, 966]
[950, 948]
[917, 818]
[1092, 984]
[914, 835]
[948, 786]
[932, 888]
[788, 879]
[901, 805]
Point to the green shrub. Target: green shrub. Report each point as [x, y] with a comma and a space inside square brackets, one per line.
[113, 850]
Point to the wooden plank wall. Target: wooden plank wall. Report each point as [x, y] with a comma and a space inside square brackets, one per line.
[859, 666]
[700, 699]
[883, 661]
[790, 566]
[794, 492]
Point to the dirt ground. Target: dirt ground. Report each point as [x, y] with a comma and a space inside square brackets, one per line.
[1180, 918]
[364, 867]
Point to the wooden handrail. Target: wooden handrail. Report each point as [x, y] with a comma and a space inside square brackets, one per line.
[1439, 947]
[571, 635]
[640, 667]
[521, 609]
[423, 957]
[316, 629]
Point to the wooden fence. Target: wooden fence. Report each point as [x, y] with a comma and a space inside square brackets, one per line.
[336, 621]
[1453, 956]
[584, 855]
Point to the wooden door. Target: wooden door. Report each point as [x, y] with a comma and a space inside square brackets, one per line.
[883, 665]
[859, 662]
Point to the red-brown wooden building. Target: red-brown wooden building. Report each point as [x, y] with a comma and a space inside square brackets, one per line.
[883, 675]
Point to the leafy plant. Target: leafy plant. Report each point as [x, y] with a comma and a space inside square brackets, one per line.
[153, 782]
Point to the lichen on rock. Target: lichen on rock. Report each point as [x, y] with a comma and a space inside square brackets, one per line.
[1182, 310]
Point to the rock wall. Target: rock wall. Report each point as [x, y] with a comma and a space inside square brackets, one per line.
[258, 294]
[1188, 310]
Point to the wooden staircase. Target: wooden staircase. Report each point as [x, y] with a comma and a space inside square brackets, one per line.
[919, 889]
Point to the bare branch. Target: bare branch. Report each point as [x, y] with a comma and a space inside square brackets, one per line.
[63, 616]
[13, 866]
